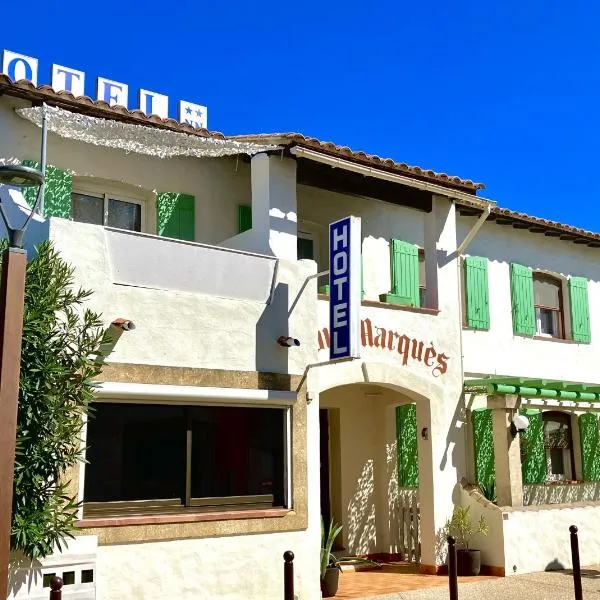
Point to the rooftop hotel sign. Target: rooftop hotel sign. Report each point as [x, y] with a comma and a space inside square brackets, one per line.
[20, 66]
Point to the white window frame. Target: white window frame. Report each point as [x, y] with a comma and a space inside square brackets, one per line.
[108, 192]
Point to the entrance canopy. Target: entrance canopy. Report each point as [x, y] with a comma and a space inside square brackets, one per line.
[539, 388]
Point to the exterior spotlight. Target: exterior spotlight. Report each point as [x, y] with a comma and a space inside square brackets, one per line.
[124, 324]
[519, 424]
[287, 342]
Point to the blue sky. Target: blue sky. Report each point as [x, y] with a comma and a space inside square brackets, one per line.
[507, 95]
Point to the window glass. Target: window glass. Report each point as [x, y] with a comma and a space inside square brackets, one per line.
[305, 248]
[237, 452]
[222, 455]
[546, 291]
[558, 444]
[135, 452]
[124, 215]
[87, 209]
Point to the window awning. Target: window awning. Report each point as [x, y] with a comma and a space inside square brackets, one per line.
[136, 138]
[537, 388]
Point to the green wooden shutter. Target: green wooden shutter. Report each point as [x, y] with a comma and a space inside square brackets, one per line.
[406, 446]
[175, 215]
[533, 452]
[521, 284]
[244, 217]
[580, 310]
[477, 295]
[405, 272]
[590, 446]
[57, 191]
[483, 441]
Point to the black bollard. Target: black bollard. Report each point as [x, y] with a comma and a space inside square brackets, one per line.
[452, 578]
[56, 584]
[288, 575]
[576, 563]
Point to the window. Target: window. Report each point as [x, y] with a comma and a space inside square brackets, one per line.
[306, 246]
[104, 209]
[422, 279]
[547, 295]
[558, 445]
[151, 458]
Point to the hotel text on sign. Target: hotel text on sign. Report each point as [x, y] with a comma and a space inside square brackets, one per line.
[344, 287]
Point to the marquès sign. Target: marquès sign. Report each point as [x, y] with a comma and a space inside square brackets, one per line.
[19, 66]
[408, 349]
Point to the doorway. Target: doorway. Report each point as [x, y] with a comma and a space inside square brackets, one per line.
[324, 454]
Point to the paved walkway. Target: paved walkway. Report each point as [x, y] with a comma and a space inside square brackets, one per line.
[556, 585]
[390, 579]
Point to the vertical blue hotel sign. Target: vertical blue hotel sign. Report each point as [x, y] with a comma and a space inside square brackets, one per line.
[344, 288]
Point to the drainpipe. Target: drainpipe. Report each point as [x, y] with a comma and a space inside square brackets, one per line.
[459, 252]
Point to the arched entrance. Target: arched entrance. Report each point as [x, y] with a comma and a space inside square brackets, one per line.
[358, 402]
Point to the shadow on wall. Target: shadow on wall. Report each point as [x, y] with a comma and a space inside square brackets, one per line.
[456, 438]
[23, 571]
[273, 322]
[361, 513]
[391, 471]
[555, 565]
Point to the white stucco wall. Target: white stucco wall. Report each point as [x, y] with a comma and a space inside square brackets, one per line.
[499, 351]
[381, 221]
[194, 327]
[537, 540]
[219, 185]
[238, 567]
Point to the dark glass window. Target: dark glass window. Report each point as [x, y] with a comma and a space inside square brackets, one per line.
[558, 442]
[135, 452]
[548, 305]
[100, 210]
[87, 209]
[220, 455]
[306, 248]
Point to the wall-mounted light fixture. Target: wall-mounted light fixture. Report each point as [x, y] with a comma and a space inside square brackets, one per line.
[287, 342]
[124, 324]
[518, 424]
[425, 433]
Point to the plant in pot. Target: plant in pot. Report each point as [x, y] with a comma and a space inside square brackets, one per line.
[330, 568]
[462, 528]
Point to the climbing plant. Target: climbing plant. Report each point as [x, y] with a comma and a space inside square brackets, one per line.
[60, 356]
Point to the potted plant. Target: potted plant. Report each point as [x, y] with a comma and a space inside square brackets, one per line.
[330, 568]
[462, 528]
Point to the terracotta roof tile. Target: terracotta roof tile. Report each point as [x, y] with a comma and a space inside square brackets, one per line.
[519, 220]
[99, 108]
[96, 108]
[363, 157]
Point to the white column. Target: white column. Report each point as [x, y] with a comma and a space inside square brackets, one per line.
[274, 211]
[437, 479]
[507, 452]
[440, 243]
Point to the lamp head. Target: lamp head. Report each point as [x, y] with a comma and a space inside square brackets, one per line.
[518, 424]
[20, 176]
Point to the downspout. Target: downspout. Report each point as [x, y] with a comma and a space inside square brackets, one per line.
[459, 252]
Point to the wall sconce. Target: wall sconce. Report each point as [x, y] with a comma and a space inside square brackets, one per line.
[518, 424]
[425, 433]
[124, 324]
[287, 342]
